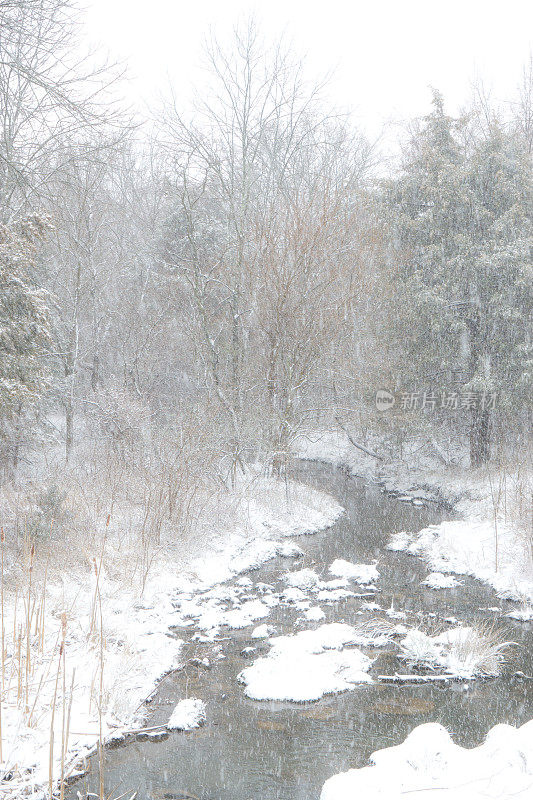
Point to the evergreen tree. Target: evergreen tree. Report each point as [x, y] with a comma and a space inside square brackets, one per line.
[463, 217]
[24, 330]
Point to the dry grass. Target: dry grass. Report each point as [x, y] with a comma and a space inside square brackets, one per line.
[519, 507]
[106, 518]
[485, 650]
[376, 631]
[481, 650]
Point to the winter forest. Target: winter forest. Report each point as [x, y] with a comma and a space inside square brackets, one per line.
[266, 498]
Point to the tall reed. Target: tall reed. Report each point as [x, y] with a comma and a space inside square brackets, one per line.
[2, 633]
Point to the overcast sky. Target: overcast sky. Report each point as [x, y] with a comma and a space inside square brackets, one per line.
[383, 54]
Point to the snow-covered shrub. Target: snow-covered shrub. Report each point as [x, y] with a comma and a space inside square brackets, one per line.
[518, 507]
[418, 647]
[49, 509]
[465, 652]
[480, 650]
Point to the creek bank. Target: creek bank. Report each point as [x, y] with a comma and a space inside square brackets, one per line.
[282, 750]
[487, 539]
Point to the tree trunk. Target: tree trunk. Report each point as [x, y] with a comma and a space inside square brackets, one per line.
[480, 436]
[16, 441]
[70, 369]
[69, 426]
[95, 373]
[69, 402]
[480, 423]
[235, 353]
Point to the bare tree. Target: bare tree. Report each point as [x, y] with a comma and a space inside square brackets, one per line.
[49, 94]
[524, 112]
[264, 185]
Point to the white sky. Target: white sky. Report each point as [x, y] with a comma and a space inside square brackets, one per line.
[384, 55]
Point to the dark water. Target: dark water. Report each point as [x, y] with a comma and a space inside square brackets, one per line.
[250, 750]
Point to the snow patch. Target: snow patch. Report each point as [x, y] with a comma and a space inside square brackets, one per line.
[307, 665]
[188, 714]
[314, 614]
[428, 763]
[437, 580]
[360, 573]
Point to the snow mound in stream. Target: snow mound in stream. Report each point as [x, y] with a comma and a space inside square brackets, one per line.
[429, 764]
[360, 573]
[302, 579]
[308, 665]
[188, 714]
[437, 580]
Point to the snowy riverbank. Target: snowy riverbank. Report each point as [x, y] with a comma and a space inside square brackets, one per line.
[485, 543]
[79, 669]
[429, 763]
[490, 540]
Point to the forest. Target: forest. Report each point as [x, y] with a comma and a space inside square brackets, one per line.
[197, 298]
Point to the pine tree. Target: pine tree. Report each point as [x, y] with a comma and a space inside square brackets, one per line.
[24, 330]
[462, 212]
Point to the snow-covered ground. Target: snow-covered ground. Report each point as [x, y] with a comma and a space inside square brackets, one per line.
[97, 645]
[115, 631]
[429, 764]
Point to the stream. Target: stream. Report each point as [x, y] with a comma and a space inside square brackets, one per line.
[249, 750]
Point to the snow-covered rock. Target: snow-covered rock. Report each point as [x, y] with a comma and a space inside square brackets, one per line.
[245, 614]
[188, 714]
[289, 550]
[437, 580]
[333, 595]
[360, 573]
[263, 631]
[302, 579]
[366, 606]
[293, 595]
